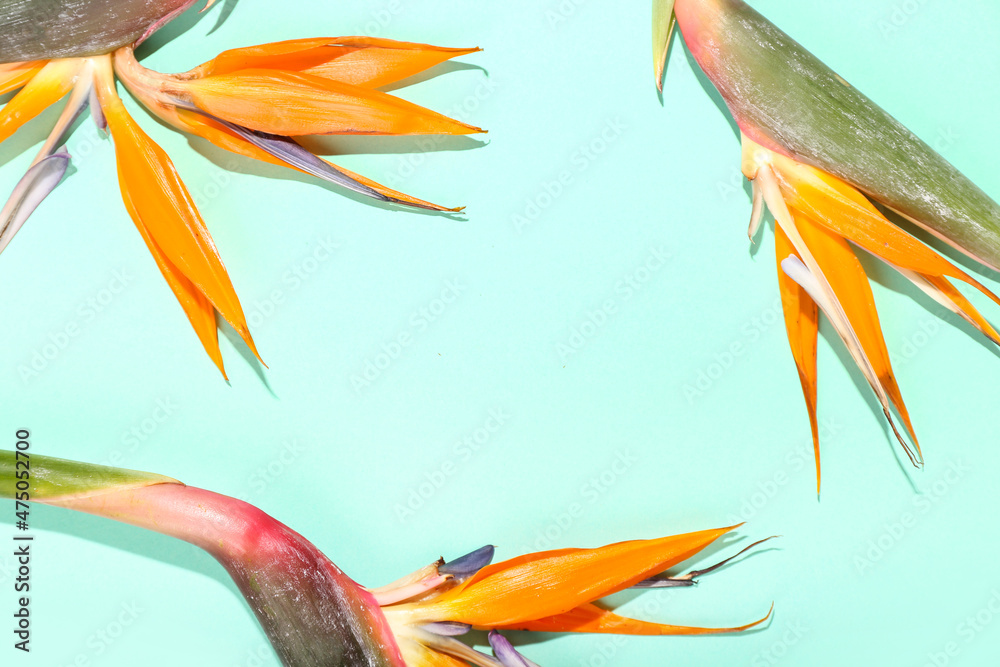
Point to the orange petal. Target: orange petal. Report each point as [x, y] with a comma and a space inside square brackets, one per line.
[591, 618]
[802, 325]
[199, 310]
[363, 61]
[849, 282]
[293, 55]
[162, 206]
[848, 213]
[395, 194]
[15, 75]
[378, 62]
[44, 89]
[962, 306]
[294, 104]
[555, 582]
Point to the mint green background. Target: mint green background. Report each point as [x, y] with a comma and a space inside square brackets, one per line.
[557, 76]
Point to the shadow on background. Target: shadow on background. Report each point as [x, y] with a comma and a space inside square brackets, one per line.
[181, 25]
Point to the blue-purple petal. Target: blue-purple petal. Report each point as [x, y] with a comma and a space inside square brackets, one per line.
[291, 153]
[96, 112]
[470, 563]
[707, 570]
[506, 653]
[35, 186]
[664, 582]
[447, 628]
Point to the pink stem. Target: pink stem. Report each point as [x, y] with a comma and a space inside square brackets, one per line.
[313, 613]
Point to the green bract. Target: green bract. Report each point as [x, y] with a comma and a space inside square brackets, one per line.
[46, 29]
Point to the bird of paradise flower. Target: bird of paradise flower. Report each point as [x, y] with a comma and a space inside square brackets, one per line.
[818, 154]
[315, 615]
[253, 101]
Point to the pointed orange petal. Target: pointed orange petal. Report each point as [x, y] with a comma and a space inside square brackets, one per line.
[845, 211]
[200, 312]
[15, 75]
[44, 89]
[522, 560]
[293, 104]
[363, 61]
[166, 211]
[591, 618]
[552, 583]
[802, 325]
[964, 307]
[215, 133]
[395, 194]
[377, 62]
[293, 55]
[849, 282]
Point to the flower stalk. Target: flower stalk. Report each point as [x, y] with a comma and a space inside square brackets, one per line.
[315, 615]
[310, 610]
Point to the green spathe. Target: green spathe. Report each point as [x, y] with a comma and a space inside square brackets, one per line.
[46, 29]
[785, 99]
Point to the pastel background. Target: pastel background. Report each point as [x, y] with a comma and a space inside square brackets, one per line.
[612, 350]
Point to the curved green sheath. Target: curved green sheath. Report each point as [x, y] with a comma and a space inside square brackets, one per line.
[786, 99]
[53, 479]
[314, 614]
[46, 29]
